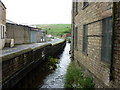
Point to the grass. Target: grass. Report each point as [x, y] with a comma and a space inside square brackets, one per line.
[56, 29]
[75, 78]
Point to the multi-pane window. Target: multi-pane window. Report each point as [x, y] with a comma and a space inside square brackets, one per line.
[85, 39]
[76, 37]
[107, 39]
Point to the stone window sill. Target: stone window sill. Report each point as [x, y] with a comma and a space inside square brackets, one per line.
[85, 53]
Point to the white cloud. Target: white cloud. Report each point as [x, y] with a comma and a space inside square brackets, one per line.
[39, 11]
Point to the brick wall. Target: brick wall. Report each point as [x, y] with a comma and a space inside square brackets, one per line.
[92, 16]
[116, 46]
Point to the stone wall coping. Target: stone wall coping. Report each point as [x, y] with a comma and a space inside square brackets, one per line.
[14, 54]
[10, 53]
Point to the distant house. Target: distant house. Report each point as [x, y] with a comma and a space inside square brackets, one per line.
[96, 41]
[2, 24]
[66, 35]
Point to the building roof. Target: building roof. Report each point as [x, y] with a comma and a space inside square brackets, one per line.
[2, 4]
[9, 21]
[32, 28]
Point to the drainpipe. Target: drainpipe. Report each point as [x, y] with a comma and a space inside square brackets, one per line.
[72, 43]
[112, 53]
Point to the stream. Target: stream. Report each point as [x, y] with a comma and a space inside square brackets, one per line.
[56, 78]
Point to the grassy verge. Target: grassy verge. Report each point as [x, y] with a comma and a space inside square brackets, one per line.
[56, 29]
[76, 79]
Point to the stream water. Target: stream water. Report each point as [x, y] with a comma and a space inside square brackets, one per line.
[56, 78]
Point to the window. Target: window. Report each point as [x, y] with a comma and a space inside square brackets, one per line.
[106, 39]
[3, 32]
[85, 38]
[85, 3]
[76, 6]
[2, 29]
[76, 37]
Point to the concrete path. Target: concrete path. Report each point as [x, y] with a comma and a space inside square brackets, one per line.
[18, 48]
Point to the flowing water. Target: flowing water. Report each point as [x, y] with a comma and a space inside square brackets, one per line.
[56, 79]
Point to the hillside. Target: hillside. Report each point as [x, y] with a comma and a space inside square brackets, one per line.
[56, 29]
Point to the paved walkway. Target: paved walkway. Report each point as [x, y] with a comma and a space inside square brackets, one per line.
[18, 48]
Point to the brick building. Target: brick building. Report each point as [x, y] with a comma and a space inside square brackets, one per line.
[2, 24]
[96, 41]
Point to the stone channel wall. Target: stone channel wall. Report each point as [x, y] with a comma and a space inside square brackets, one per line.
[16, 66]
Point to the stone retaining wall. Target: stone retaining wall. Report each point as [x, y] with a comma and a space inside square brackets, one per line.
[15, 66]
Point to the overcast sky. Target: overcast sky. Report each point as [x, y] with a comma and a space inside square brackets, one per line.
[39, 11]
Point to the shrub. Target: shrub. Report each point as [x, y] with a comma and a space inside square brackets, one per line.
[51, 64]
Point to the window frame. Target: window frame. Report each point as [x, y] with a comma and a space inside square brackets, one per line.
[76, 37]
[76, 7]
[3, 32]
[85, 39]
[2, 27]
[106, 46]
[85, 4]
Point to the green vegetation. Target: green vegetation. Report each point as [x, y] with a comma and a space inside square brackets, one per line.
[51, 64]
[56, 29]
[68, 39]
[76, 79]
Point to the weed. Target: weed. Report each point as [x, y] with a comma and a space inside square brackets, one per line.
[51, 64]
[76, 79]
